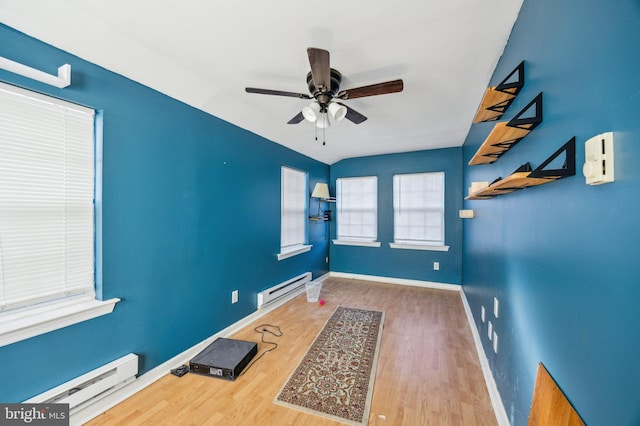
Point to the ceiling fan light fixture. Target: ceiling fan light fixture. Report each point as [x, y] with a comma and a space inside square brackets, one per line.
[337, 111]
[311, 112]
[323, 121]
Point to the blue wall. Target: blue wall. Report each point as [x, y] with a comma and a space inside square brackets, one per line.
[562, 257]
[384, 261]
[191, 212]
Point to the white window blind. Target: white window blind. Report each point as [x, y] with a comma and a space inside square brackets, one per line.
[418, 205]
[357, 204]
[294, 209]
[46, 199]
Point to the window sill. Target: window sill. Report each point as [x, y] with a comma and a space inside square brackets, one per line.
[21, 325]
[357, 243]
[418, 247]
[293, 252]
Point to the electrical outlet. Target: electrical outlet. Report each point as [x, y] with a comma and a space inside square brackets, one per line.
[234, 296]
[436, 266]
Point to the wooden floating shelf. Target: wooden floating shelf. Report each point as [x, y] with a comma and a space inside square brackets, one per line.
[497, 99]
[511, 183]
[520, 180]
[492, 98]
[505, 135]
[500, 140]
[524, 177]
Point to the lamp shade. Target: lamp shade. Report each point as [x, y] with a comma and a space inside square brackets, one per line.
[323, 121]
[311, 112]
[337, 111]
[321, 190]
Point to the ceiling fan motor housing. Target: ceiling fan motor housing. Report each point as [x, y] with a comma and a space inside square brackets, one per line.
[324, 98]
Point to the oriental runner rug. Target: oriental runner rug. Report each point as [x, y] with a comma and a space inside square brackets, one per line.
[335, 377]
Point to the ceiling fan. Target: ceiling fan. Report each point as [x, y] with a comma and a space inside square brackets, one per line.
[324, 88]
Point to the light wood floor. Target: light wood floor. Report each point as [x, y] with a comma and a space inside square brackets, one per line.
[428, 371]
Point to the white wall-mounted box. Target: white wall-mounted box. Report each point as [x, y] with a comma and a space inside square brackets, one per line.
[598, 159]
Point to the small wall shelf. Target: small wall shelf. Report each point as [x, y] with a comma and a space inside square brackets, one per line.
[326, 216]
[497, 99]
[506, 134]
[524, 177]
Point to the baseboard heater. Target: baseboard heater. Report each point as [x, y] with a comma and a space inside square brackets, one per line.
[89, 388]
[282, 289]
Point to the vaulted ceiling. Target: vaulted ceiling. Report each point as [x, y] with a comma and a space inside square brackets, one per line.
[205, 52]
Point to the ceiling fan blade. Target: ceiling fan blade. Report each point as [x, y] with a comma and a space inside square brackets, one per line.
[353, 115]
[372, 90]
[277, 93]
[320, 69]
[295, 120]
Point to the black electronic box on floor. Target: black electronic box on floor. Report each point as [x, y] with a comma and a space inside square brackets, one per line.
[224, 358]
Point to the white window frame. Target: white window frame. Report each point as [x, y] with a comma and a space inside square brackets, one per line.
[293, 212]
[419, 204]
[24, 315]
[357, 211]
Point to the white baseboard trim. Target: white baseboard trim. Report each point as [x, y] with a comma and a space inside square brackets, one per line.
[401, 281]
[494, 394]
[323, 277]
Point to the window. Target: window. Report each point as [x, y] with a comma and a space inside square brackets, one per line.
[47, 165]
[418, 210]
[357, 205]
[293, 229]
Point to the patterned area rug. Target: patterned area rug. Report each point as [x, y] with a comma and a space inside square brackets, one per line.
[335, 378]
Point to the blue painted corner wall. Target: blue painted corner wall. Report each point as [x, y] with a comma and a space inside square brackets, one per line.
[190, 212]
[561, 257]
[384, 261]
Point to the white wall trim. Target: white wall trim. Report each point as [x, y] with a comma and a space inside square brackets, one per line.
[356, 243]
[293, 252]
[27, 323]
[494, 394]
[401, 281]
[405, 246]
[323, 277]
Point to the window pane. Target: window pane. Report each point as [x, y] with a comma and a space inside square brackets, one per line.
[357, 204]
[294, 212]
[418, 204]
[46, 198]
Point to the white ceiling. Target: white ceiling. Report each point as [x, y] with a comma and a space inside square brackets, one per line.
[205, 52]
